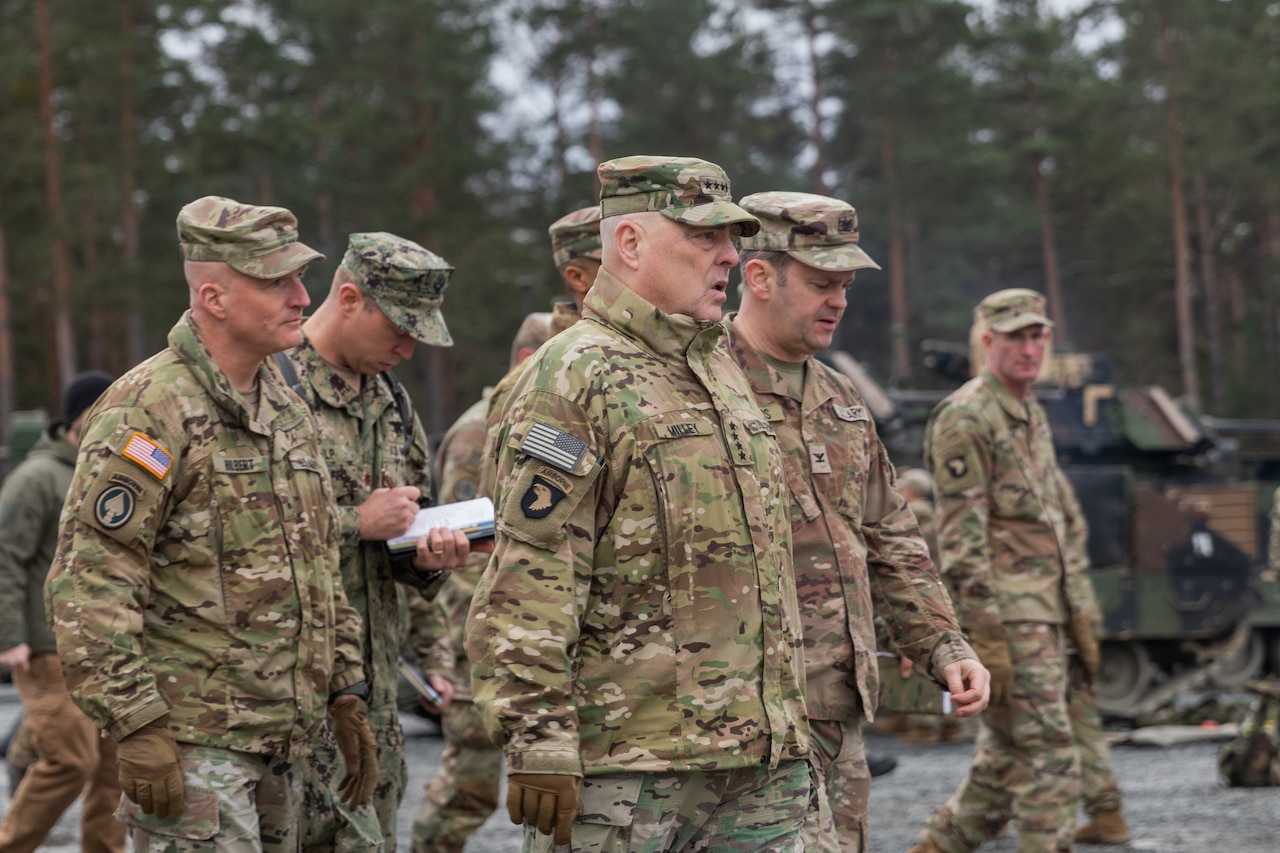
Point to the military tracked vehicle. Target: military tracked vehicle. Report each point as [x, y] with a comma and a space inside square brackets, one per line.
[1177, 525]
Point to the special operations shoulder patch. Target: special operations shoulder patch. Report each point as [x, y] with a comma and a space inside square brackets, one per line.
[553, 446]
[114, 507]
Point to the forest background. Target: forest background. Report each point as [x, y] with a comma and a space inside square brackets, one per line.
[1121, 156]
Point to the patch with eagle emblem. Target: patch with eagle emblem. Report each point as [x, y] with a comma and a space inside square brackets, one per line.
[540, 498]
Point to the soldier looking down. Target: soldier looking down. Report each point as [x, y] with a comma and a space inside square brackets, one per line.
[1009, 531]
[635, 640]
[856, 546]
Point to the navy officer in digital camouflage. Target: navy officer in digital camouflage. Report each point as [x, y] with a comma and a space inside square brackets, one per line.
[195, 592]
[635, 641]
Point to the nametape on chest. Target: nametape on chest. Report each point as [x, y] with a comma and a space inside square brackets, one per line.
[153, 458]
[774, 414]
[305, 463]
[240, 464]
[553, 446]
[852, 414]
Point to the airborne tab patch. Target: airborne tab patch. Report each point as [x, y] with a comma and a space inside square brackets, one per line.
[151, 456]
[553, 446]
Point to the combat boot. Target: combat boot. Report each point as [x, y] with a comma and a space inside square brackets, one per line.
[1104, 828]
[926, 846]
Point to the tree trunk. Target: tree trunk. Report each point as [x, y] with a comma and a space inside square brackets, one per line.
[810, 17]
[897, 255]
[1212, 293]
[1181, 243]
[135, 340]
[59, 250]
[6, 364]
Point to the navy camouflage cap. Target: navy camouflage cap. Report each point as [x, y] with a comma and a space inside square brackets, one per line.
[261, 242]
[684, 189]
[406, 281]
[814, 229]
[1010, 310]
[576, 235]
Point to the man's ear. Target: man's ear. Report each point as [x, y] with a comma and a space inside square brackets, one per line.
[350, 298]
[577, 279]
[759, 277]
[212, 296]
[630, 239]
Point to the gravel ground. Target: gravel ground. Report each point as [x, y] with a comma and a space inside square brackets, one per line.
[1173, 800]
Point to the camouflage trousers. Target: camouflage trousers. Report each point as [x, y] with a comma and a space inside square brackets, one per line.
[465, 790]
[837, 820]
[333, 827]
[1025, 762]
[1098, 787]
[749, 810]
[237, 802]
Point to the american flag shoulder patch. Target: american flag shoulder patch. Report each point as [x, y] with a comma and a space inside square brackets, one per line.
[148, 454]
[553, 446]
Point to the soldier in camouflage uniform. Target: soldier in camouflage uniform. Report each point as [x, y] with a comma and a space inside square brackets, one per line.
[464, 792]
[855, 543]
[385, 295]
[68, 752]
[635, 641]
[1009, 530]
[195, 594]
[575, 248]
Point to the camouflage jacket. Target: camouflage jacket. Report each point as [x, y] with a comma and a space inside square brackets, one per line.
[30, 503]
[1010, 532]
[196, 572]
[437, 634]
[856, 547]
[563, 315]
[362, 442]
[639, 613]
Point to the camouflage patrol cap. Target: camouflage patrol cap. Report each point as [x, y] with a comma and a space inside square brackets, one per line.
[814, 229]
[576, 235]
[406, 281]
[685, 189]
[1013, 309]
[261, 242]
[533, 333]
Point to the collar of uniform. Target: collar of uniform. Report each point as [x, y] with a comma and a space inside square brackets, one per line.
[184, 339]
[329, 387]
[665, 335]
[1019, 410]
[765, 380]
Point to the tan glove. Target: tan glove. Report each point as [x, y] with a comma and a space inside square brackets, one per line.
[548, 801]
[150, 770]
[992, 648]
[359, 750]
[1081, 628]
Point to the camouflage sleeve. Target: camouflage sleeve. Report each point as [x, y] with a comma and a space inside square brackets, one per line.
[27, 509]
[905, 586]
[525, 618]
[1079, 589]
[488, 475]
[427, 634]
[100, 580]
[960, 456]
[348, 666]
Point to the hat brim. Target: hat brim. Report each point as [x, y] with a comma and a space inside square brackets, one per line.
[1013, 324]
[426, 325]
[290, 258]
[848, 258]
[715, 215]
